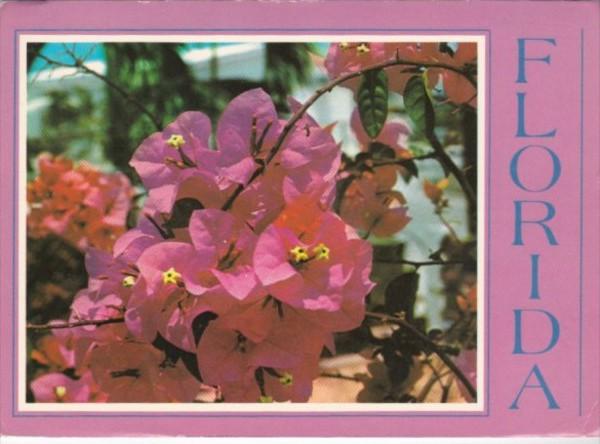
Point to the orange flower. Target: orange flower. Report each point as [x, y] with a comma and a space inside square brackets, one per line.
[85, 206]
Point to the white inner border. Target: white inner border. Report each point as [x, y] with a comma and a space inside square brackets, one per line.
[249, 407]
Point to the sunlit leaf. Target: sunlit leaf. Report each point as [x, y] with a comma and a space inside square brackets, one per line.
[418, 105]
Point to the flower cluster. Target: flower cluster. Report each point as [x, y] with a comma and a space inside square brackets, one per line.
[79, 203]
[370, 203]
[237, 294]
[345, 58]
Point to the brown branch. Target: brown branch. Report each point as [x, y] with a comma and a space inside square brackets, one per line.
[97, 323]
[403, 161]
[449, 227]
[339, 376]
[320, 92]
[449, 165]
[79, 64]
[433, 378]
[432, 346]
[418, 264]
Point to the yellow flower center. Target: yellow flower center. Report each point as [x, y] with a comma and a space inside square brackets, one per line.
[363, 48]
[286, 379]
[60, 391]
[344, 45]
[321, 252]
[176, 141]
[128, 281]
[265, 399]
[299, 254]
[171, 276]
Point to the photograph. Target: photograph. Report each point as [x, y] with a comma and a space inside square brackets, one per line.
[256, 221]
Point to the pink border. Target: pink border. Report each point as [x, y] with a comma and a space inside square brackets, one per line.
[570, 289]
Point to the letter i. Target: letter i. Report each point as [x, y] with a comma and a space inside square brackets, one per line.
[535, 276]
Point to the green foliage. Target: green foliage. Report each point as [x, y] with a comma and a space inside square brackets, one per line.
[372, 98]
[71, 125]
[288, 65]
[418, 105]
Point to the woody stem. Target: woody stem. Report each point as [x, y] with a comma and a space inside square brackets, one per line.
[430, 344]
[97, 323]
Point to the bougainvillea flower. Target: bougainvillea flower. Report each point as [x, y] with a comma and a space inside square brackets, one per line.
[178, 281]
[81, 204]
[348, 57]
[467, 363]
[116, 274]
[52, 353]
[306, 259]
[309, 155]
[468, 302]
[279, 385]
[394, 134]
[255, 291]
[165, 271]
[457, 87]
[88, 307]
[51, 167]
[57, 387]
[246, 131]
[181, 151]
[381, 213]
[345, 58]
[64, 349]
[267, 337]
[137, 372]
[394, 137]
[227, 244]
[435, 191]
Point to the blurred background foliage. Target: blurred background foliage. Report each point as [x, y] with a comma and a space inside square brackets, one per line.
[107, 129]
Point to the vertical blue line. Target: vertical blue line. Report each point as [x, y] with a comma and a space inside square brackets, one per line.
[581, 233]
[14, 225]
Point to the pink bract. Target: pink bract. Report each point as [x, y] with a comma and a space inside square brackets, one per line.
[319, 285]
[57, 387]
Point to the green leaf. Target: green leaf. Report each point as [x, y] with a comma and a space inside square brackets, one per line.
[373, 101]
[418, 105]
[381, 151]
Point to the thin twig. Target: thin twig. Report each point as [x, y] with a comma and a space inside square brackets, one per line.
[418, 264]
[401, 162]
[432, 345]
[78, 64]
[327, 88]
[339, 376]
[97, 323]
[449, 227]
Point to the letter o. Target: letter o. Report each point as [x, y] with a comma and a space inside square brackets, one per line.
[514, 170]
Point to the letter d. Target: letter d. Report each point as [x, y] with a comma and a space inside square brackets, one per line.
[518, 349]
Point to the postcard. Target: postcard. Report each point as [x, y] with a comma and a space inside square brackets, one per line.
[341, 218]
